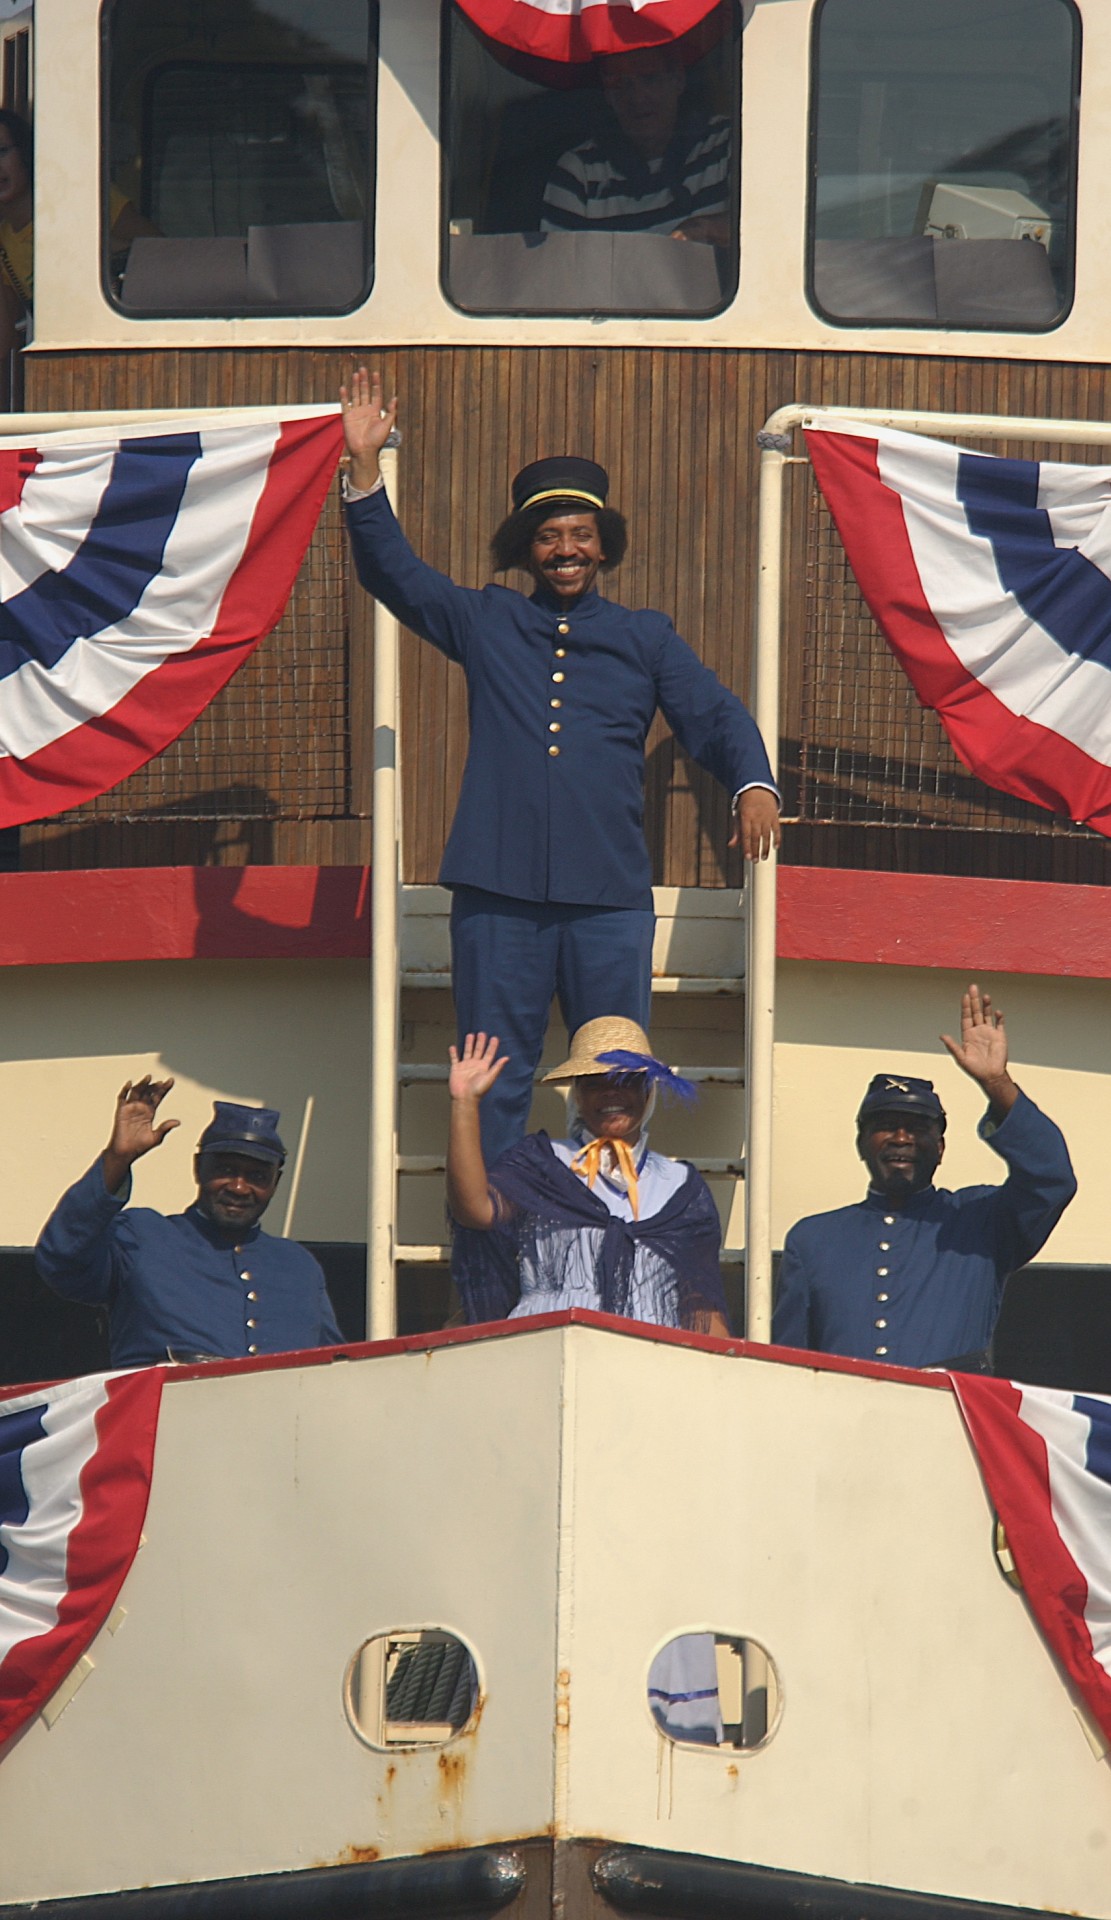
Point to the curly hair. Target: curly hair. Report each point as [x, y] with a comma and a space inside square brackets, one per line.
[511, 545]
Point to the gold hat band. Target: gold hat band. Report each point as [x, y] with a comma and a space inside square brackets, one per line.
[561, 493]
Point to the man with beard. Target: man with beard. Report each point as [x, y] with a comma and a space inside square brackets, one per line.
[913, 1275]
[201, 1285]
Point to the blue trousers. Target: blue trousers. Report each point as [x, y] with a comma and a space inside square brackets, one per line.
[508, 958]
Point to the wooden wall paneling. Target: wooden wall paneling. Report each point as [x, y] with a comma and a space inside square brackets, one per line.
[677, 430]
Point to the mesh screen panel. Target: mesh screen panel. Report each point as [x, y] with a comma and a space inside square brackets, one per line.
[867, 752]
[275, 744]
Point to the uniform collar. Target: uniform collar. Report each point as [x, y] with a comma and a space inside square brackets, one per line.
[915, 1203]
[214, 1235]
[549, 602]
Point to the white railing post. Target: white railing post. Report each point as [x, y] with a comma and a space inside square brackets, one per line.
[385, 966]
[775, 442]
[760, 917]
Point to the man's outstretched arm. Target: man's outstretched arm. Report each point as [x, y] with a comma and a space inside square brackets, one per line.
[75, 1253]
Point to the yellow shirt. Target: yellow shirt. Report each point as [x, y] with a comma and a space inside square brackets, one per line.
[17, 258]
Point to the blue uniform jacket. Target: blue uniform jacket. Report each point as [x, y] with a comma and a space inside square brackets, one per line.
[172, 1282]
[561, 700]
[921, 1284]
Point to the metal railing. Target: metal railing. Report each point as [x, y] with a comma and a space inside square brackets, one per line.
[777, 453]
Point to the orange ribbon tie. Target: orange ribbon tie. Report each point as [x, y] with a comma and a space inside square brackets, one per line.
[588, 1162]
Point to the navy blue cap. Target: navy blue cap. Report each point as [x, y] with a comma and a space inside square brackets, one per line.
[249, 1130]
[901, 1093]
[565, 478]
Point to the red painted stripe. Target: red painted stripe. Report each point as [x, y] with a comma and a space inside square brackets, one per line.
[1007, 752]
[323, 913]
[1015, 1466]
[934, 920]
[99, 753]
[184, 913]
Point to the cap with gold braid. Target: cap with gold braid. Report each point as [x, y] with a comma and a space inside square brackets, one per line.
[565, 477]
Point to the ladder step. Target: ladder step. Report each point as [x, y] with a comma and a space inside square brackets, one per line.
[419, 1163]
[434, 1255]
[425, 1073]
[731, 984]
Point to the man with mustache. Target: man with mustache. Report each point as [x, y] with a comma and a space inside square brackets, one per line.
[913, 1275]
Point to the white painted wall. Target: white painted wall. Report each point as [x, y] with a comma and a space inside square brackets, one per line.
[275, 1033]
[838, 1025]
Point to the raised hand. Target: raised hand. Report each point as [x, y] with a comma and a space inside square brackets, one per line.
[982, 1049]
[474, 1071]
[367, 425]
[133, 1129]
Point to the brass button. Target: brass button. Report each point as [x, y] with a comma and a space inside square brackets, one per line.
[553, 726]
[561, 653]
[881, 1324]
[889, 1219]
[559, 678]
[883, 1296]
[563, 627]
[245, 1276]
[880, 1351]
[252, 1295]
[885, 1246]
[555, 703]
[254, 1323]
[553, 753]
[881, 1273]
[252, 1349]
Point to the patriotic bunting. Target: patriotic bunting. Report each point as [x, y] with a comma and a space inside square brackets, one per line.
[573, 30]
[991, 581]
[75, 1469]
[138, 569]
[1046, 1458]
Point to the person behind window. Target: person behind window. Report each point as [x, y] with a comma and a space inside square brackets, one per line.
[653, 167]
[17, 235]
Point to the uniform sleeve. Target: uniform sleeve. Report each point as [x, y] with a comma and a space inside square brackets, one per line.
[791, 1314]
[76, 1253]
[331, 1333]
[426, 602]
[1039, 1185]
[701, 1294]
[709, 721]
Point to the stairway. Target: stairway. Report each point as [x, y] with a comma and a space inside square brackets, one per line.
[697, 1027]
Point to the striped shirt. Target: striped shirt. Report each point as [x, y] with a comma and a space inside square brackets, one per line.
[607, 186]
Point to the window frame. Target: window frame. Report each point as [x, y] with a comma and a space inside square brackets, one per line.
[449, 13]
[211, 312]
[939, 328]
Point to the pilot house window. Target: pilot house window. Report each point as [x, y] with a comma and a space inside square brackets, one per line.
[605, 187]
[244, 137]
[944, 163]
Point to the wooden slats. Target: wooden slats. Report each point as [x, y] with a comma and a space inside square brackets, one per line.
[676, 428]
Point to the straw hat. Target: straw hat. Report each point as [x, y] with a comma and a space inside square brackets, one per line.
[606, 1035]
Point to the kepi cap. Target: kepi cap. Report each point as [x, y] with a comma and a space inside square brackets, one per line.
[565, 477]
[252, 1131]
[900, 1093]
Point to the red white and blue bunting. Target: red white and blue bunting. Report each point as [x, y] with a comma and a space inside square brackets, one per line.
[1045, 1455]
[75, 1471]
[991, 582]
[139, 567]
[582, 29]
